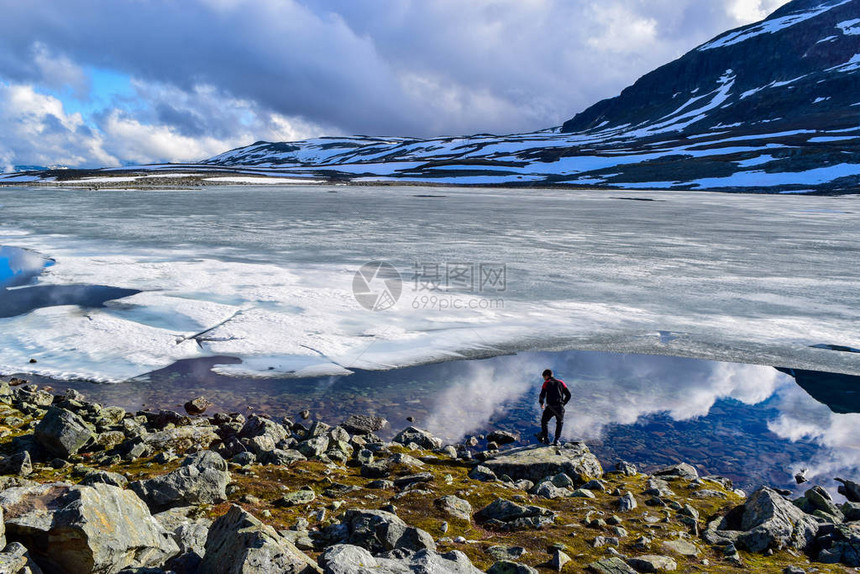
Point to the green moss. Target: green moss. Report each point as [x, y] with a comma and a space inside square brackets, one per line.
[268, 483]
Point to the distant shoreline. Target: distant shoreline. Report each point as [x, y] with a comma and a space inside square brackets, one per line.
[162, 178]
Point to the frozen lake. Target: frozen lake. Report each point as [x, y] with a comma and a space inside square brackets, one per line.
[747, 279]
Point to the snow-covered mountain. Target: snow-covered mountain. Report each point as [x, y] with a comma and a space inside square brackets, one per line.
[771, 107]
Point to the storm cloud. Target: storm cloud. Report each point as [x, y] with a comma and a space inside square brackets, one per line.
[207, 75]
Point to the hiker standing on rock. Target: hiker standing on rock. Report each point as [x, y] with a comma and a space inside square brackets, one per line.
[556, 394]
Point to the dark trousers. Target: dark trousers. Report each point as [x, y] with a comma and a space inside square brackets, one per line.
[550, 411]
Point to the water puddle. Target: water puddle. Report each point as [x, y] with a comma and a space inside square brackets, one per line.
[754, 424]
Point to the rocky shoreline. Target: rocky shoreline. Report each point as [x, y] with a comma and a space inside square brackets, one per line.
[87, 488]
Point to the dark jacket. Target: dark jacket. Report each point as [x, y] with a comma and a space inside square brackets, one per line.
[555, 392]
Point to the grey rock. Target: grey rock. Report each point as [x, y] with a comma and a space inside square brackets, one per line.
[260, 445]
[506, 552]
[313, 447]
[339, 433]
[18, 464]
[627, 502]
[410, 479]
[454, 506]
[536, 462]
[84, 529]
[561, 480]
[181, 438]
[658, 487]
[846, 544]
[626, 468]
[549, 490]
[257, 425]
[424, 439]
[851, 511]
[350, 559]
[559, 559]
[849, 489]
[109, 440]
[62, 433]
[378, 531]
[282, 457]
[189, 531]
[104, 477]
[202, 479]
[16, 560]
[582, 493]
[405, 460]
[681, 547]
[597, 485]
[502, 437]
[600, 541]
[821, 500]
[244, 458]
[510, 567]
[297, 498]
[238, 543]
[482, 473]
[197, 406]
[653, 563]
[613, 565]
[337, 490]
[682, 470]
[793, 570]
[769, 521]
[364, 424]
[503, 514]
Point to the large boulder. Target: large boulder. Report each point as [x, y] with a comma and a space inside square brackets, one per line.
[202, 479]
[62, 433]
[505, 515]
[418, 436]
[768, 521]
[379, 531]
[349, 559]
[535, 462]
[85, 529]
[238, 543]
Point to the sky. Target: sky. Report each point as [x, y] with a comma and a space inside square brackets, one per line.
[89, 83]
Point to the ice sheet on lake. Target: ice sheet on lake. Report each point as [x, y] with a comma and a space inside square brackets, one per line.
[746, 278]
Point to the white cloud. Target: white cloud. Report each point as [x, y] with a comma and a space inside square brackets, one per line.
[746, 11]
[235, 71]
[59, 72]
[36, 129]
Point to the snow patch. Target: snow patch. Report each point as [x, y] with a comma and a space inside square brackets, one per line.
[767, 27]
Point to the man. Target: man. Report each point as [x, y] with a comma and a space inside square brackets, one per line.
[556, 394]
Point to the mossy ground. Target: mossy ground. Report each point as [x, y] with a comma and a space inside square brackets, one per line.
[265, 484]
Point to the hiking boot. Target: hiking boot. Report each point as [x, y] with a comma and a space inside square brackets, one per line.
[541, 439]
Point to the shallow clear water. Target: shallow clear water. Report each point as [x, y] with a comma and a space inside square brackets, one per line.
[751, 423]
